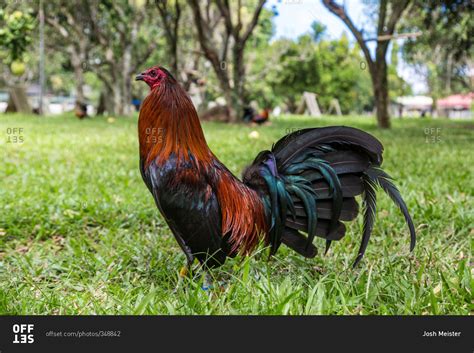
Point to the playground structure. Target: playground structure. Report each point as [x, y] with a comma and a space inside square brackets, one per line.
[309, 105]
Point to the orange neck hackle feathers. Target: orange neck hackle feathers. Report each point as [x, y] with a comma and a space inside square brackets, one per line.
[169, 125]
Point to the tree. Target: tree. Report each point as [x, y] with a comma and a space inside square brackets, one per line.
[318, 30]
[329, 68]
[389, 13]
[445, 50]
[123, 40]
[215, 41]
[182, 50]
[398, 87]
[298, 72]
[70, 29]
[170, 15]
[15, 36]
[15, 39]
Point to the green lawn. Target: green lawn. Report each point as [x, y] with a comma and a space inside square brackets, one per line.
[80, 234]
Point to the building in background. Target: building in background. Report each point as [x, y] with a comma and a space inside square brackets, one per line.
[456, 106]
[412, 106]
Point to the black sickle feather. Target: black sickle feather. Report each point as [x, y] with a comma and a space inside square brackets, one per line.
[337, 196]
[349, 209]
[298, 242]
[291, 145]
[310, 208]
[370, 207]
[342, 162]
[330, 177]
[385, 182]
[328, 245]
[322, 228]
[351, 185]
[373, 177]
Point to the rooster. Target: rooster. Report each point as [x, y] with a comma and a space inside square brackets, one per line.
[305, 186]
[250, 115]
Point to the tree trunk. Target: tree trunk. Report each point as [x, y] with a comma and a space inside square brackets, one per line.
[127, 82]
[105, 103]
[238, 93]
[381, 104]
[117, 101]
[78, 78]
[174, 58]
[449, 71]
[127, 73]
[380, 87]
[227, 91]
[78, 59]
[18, 100]
[101, 107]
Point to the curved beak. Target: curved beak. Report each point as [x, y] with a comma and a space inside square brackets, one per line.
[140, 77]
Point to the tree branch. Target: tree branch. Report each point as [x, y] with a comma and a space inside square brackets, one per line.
[397, 10]
[340, 12]
[224, 8]
[253, 22]
[163, 11]
[210, 51]
[140, 60]
[382, 15]
[61, 29]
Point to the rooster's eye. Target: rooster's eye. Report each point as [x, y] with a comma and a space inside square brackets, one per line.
[153, 73]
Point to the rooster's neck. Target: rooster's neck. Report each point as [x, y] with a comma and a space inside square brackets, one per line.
[169, 125]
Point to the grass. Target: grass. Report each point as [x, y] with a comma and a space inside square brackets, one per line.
[80, 234]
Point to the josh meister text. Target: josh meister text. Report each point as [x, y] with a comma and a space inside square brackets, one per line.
[441, 333]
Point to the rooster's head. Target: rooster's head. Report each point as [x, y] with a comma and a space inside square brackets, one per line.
[154, 76]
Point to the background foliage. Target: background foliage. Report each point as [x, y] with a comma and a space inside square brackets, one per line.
[105, 44]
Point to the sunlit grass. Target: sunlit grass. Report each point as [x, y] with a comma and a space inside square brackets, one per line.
[80, 234]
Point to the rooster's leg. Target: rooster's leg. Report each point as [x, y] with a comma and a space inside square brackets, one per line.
[184, 272]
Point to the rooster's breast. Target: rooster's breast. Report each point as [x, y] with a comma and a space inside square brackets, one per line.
[190, 207]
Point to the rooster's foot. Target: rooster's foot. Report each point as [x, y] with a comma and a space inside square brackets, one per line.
[207, 282]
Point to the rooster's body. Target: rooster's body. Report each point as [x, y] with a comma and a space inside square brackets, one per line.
[306, 184]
